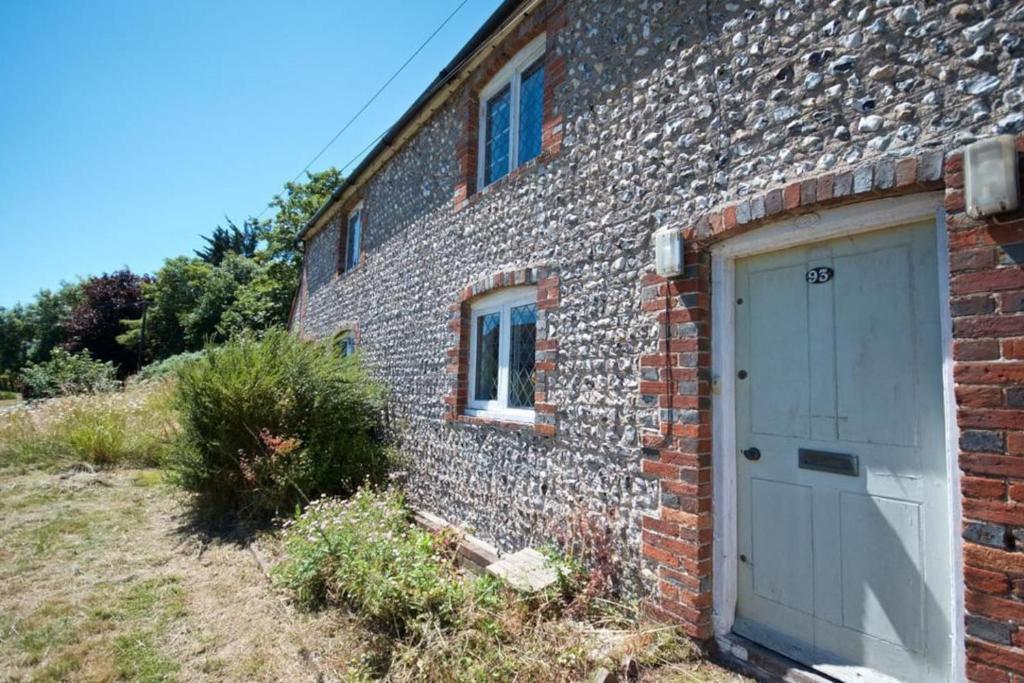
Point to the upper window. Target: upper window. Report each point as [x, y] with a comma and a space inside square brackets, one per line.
[354, 237]
[512, 114]
[503, 336]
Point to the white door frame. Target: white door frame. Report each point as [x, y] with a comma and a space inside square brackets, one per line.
[805, 229]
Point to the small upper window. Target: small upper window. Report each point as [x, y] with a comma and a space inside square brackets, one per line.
[512, 114]
[346, 342]
[502, 352]
[355, 237]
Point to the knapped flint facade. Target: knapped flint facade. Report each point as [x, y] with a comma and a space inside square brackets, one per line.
[718, 118]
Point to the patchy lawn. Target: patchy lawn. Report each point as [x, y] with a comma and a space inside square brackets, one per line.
[102, 578]
[105, 576]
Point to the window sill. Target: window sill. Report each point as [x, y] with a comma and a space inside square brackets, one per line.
[503, 421]
[342, 274]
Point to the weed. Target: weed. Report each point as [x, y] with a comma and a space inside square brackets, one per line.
[435, 623]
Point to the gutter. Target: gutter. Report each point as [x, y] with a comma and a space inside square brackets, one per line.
[497, 18]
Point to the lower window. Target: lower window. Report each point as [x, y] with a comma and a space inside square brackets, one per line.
[503, 338]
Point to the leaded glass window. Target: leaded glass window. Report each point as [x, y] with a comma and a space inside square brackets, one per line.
[499, 116]
[488, 334]
[531, 112]
[355, 238]
[522, 353]
[512, 114]
[503, 348]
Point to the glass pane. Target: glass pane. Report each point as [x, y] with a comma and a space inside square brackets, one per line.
[346, 344]
[499, 112]
[531, 112]
[355, 238]
[488, 330]
[522, 353]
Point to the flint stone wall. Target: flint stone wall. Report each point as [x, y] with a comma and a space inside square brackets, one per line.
[670, 110]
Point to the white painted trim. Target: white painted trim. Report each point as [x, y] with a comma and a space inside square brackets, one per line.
[511, 76]
[958, 644]
[800, 230]
[501, 302]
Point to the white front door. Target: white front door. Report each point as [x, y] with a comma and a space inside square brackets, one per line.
[842, 509]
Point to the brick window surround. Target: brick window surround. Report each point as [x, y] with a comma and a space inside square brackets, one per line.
[545, 366]
[550, 18]
[343, 216]
[986, 261]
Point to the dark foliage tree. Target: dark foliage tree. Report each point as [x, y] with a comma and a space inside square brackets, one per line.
[95, 322]
[243, 241]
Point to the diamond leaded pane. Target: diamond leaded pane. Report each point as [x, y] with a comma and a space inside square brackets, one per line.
[355, 238]
[522, 353]
[499, 114]
[488, 331]
[531, 112]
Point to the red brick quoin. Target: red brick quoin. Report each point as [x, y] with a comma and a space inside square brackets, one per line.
[987, 308]
[549, 18]
[545, 366]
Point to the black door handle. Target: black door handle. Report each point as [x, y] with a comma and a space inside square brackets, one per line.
[752, 454]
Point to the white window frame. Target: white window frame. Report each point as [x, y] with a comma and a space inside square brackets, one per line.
[501, 302]
[510, 75]
[356, 211]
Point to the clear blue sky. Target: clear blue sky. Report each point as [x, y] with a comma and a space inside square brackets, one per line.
[130, 127]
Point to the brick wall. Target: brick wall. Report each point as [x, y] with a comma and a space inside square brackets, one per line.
[987, 304]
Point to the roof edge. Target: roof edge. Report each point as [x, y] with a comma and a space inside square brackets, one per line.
[497, 18]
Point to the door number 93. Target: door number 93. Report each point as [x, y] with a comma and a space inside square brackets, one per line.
[817, 276]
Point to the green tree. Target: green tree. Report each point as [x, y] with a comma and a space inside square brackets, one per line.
[242, 281]
[47, 318]
[295, 207]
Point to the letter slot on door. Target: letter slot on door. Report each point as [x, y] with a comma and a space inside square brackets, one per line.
[825, 461]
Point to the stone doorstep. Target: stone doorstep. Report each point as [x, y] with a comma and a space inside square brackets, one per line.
[526, 570]
[474, 554]
[748, 658]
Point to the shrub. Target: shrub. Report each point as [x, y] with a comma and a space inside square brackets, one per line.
[134, 427]
[438, 623]
[66, 374]
[364, 552]
[9, 396]
[167, 366]
[269, 423]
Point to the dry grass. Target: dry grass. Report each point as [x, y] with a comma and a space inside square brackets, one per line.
[132, 427]
[102, 579]
[105, 576]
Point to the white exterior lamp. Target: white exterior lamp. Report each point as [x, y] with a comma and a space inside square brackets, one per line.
[668, 252]
[991, 177]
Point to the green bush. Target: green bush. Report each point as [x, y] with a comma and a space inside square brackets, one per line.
[66, 374]
[9, 396]
[433, 622]
[364, 552]
[269, 423]
[167, 366]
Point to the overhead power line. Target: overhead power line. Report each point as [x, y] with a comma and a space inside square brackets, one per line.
[373, 98]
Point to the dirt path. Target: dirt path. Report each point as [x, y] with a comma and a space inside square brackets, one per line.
[102, 578]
